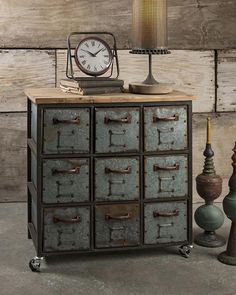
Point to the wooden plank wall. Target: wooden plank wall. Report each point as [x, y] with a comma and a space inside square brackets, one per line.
[193, 24]
[32, 53]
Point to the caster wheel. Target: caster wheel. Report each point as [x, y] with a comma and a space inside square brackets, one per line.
[185, 250]
[34, 264]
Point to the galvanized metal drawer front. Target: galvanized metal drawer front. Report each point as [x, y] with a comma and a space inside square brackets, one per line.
[117, 226]
[66, 229]
[166, 177]
[66, 131]
[117, 130]
[165, 128]
[117, 179]
[165, 222]
[65, 180]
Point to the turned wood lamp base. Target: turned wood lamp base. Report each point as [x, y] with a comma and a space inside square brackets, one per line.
[159, 88]
[150, 85]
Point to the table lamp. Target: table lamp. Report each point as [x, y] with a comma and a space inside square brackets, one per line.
[149, 31]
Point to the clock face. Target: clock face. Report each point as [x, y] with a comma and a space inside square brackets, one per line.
[93, 56]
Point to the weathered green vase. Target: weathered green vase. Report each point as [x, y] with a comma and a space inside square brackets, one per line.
[229, 205]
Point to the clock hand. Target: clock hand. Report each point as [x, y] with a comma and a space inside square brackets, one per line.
[90, 53]
[95, 54]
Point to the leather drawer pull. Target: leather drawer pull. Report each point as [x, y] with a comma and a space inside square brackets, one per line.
[166, 119]
[166, 214]
[118, 171]
[75, 121]
[76, 219]
[117, 217]
[126, 120]
[170, 168]
[75, 170]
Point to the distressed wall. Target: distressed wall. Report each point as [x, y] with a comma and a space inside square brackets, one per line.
[32, 54]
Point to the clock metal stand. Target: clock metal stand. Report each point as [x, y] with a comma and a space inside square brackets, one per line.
[70, 73]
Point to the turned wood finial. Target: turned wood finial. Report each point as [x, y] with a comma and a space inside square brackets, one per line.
[209, 168]
[208, 130]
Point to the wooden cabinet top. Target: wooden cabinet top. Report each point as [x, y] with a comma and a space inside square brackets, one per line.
[57, 96]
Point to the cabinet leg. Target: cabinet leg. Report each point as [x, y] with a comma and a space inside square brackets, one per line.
[29, 235]
[35, 263]
[185, 250]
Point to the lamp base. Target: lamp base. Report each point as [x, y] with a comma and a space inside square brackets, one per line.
[159, 88]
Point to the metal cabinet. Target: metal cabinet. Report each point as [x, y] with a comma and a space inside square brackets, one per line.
[117, 225]
[117, 130]
[165, 222]
[65, 180]
[66, 131]
[109, 175]
[66, 229]
[165, 128]
[166, 176]
[117, 179]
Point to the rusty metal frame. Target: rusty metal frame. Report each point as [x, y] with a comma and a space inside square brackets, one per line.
[38, 236]
[70, 57]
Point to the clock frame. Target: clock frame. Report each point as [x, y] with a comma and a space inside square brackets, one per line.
[74, 42]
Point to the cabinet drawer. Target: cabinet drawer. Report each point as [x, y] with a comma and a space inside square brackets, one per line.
[117, 226]
[165, 128]
[117, 130]
[117, 179]
[165, 222]
[66, 131]
[66, 229]
[166, 177]
[65, 180]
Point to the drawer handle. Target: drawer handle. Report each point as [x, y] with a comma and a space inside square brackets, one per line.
[166, 119]
[118, 171]
[73, 121]
[75, 170]
[118, 217]
[76, 219]
[170, 168]
[166, 214]
[126, 120]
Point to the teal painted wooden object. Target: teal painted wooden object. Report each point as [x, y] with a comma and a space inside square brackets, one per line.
[229, 204]
[166, 177]
[65, 180]
[66, 131]
[117, 179]
[209, 187]
[165, 222]
[66, 229]
[165, 128]
[117, 130]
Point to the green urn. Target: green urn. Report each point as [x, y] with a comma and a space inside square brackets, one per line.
[209, 187]
[229, 205]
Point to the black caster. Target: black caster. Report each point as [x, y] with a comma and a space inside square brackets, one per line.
[185, 250]
[35, 263]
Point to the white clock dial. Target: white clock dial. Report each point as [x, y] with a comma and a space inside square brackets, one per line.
[93, 56]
